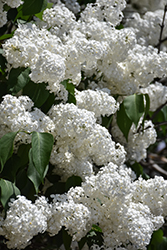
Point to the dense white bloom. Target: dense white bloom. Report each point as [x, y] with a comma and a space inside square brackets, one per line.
[3, 15]
[152, 193]
[79, 139]
[74, 217]
[127, 76]
[108, 196]
[16, 114]
[147, 27]
[157, 94]
[72, 5]
[13, 3]
[68, 164]
[138, 140]
[99, 102]
[72, 122]
[28, 42]
[103, 10]
[49, 68]
[59, 17]
[25, 220]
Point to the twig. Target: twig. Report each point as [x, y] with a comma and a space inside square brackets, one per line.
[157, 124]
[157, 111]
[157, 168]
[162, 27]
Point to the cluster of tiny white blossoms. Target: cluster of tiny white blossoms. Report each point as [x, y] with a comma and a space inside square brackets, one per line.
[17, 115]
[99, 102]
[89, 43]
[24, 220]
[139, 139]
[72, 5]
[158, 90]
[81, 141]
[127, 211]
[147, 27]
[58, 48]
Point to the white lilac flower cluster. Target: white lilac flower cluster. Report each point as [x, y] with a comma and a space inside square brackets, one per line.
[24, 220]
[147, 27]
[80, 142]
[3, 13]
[89, 44]
[59, 48]
[17, 115]
[127, 211]
[72, 5]
[99, 102]
[139, 139]
[157, 94]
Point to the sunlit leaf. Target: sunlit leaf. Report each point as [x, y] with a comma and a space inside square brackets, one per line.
[134, 107]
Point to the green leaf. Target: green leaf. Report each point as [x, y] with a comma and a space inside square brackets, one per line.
[23, 152]
[163, 244]
[8, 190]
[39, 15]
[37, 92]
[6, 147]
[42, 144]
[18, 78]
[32, 173]
[31, 7]
[2, 62]
[6, 36]
[123, 121]
[146, 108]
[156, 240]
[82, 242]
[67, 239]
[25, 185]
[96, 228]
[56, 188]
[134, 107]
[106, 121]
[137, 168]
[164, 111]
[73, 181]
[71, 91]
[11, 168]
